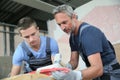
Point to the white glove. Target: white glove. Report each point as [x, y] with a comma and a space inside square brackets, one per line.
[57, 58]
[71, 75]
[68, 65]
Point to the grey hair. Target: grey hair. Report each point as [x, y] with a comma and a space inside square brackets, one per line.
[64, 8]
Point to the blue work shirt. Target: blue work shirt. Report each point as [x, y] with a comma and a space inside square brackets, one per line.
[21, 55]
[93, 41]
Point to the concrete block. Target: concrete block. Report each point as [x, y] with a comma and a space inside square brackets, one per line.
[5, 66]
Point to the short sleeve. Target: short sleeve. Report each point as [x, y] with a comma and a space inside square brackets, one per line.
[18, 56]
[73, 46]
[54, 46]
[92, 40]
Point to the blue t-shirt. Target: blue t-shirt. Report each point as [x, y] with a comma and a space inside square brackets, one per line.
[21, 55]
[93, 40]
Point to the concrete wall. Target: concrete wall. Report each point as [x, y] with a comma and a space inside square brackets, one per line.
[1, 42]
[4, 51]
[5, 66]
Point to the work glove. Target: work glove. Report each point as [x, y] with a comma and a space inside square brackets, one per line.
[68, 65]
[70, 75]
[57, 58]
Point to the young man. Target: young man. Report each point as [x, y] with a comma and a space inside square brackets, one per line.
[91, 44]
[34, 49]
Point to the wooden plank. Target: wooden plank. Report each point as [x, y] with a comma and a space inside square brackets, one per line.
[30, 77]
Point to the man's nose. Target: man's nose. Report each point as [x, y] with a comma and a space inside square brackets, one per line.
[62, 27]
[31, 38]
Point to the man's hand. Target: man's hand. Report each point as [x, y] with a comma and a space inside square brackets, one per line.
[70, 75]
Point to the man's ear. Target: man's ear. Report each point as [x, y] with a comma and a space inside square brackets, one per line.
[75, 16]
[20, 34]
[37, 28]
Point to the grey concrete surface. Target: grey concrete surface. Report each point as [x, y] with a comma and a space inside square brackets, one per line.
[5, 66]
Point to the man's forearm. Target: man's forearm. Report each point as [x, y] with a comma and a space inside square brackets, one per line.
[15, 70]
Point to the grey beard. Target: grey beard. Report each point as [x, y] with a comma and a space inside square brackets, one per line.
[73, 28]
